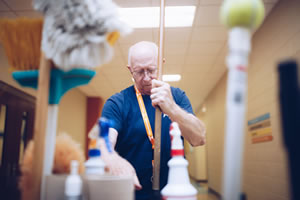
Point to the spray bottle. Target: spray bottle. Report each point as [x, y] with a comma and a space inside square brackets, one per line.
[73, 184]
[178, 186]
[94, 165]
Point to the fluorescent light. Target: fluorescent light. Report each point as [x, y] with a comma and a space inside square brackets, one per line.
[179, 16]
[148, 17]
[171, 77]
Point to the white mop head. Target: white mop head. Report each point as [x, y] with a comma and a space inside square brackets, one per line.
[75, 31]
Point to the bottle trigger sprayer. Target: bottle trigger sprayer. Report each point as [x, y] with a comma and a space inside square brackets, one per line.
[104, 125]
[94, 165]
[178, 186]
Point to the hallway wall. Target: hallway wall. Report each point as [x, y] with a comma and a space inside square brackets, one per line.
[265, 164]
[214, 121]
[72, 116]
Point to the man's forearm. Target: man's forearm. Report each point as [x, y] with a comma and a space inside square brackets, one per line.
[192, 129]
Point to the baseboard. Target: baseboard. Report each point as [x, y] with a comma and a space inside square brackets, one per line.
[201, 180]
[198, 180]
[214, 192]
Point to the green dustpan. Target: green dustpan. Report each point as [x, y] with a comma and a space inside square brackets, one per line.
[60, 81]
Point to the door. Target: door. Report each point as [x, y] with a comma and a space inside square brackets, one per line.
[16, 128]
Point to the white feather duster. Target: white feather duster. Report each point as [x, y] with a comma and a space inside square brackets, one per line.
[75, 31]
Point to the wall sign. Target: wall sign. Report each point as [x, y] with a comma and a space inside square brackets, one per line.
[260, 129]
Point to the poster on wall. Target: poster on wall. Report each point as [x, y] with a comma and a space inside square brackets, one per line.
[260, 129]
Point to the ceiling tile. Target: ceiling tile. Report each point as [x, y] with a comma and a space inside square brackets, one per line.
[136, 36]
[172, 69]
[133, 3]
[211, 2]
[176, 2]
[195, 92]
[174, 84]
[175, 48]
[120, 81]
[7, 14]
[3, 7]
[174, 34]
[211, 79]
[205, 48]
[219, 68]
[117, 50]
[19, 4]
[209, 34]
[174, 59]
[102, 85]
[270, 1]
[199, 60]
[112, 70]
[188, 79]
[220, 63]
[177, 34]
[117, 61]
[197, 69]
[268, 8]
[208, 16]
[124, 50]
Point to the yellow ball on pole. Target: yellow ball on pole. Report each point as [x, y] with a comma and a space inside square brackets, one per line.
[242, 13]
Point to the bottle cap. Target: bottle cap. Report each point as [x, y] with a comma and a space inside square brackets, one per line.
[94, 152]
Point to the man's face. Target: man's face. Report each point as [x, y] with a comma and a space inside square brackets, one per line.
[143, 69]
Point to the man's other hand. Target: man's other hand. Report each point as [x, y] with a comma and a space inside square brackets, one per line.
[118, 166]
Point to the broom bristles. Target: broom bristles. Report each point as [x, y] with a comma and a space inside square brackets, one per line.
[21, 39]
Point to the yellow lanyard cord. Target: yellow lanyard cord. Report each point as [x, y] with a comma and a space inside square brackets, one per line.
[144, 115]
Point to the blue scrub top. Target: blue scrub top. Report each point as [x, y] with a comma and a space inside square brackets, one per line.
[133, 143]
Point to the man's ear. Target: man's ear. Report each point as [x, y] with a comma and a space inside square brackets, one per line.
[129, 68]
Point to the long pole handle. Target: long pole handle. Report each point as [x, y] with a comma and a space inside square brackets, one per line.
[40, 124]
[237, 61]
[157, 146]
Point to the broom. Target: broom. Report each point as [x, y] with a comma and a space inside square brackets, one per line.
[21, 39]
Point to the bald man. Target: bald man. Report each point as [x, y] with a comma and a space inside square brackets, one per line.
[129, 135]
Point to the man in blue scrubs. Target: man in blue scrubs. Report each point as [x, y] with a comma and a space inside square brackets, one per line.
[129, 135]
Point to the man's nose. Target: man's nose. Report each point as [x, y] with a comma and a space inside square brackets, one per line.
[147, 75]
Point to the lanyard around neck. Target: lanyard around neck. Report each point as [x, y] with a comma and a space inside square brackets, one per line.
[144, 115]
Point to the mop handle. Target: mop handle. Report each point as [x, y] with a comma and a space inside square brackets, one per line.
[157, 149]
[239, 47]
[241, 17]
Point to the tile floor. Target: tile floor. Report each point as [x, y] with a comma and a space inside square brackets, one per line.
[203, 193]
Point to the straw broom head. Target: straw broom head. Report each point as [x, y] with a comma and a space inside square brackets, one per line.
[21, 39]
